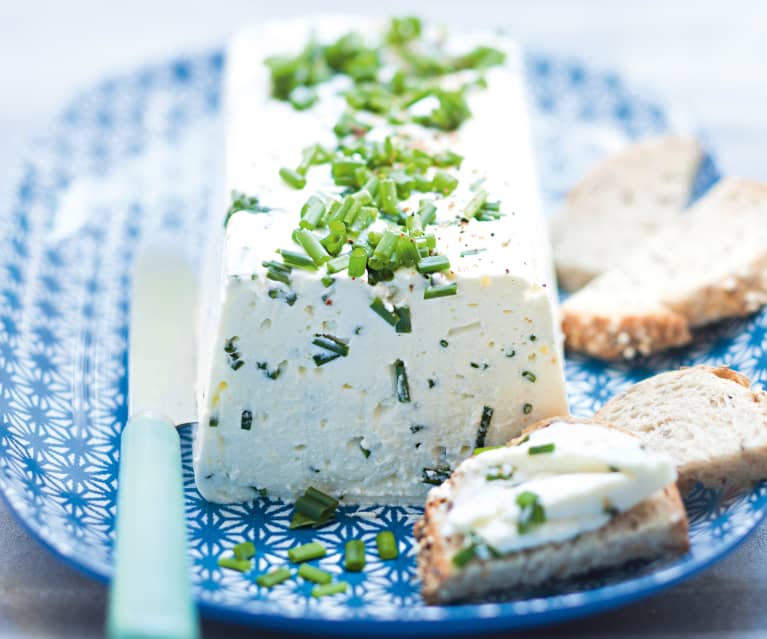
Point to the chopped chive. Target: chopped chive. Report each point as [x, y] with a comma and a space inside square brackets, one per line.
[236, 365]
[484, 449]
[544, 448]
[278, 275]
[384, 249]
[484, 426]
[277, 266]
[245, 550]
[472, 252]
[614, 469]
[379, 308]
[444, 183]
[529, 376]
[338, 264]
[293, 178]
[302, 98]
[317, 495]
[464, 555]
[403, 325]
[312, 213]
[271, 579]
[365, 451]
[357, 261]
[354, 555]
[387, 545]
[387, 197]
[296, 259]
[312, 246]
[531, 514]
[527, 408]
[475, 204]
[213, 422]
[443, 343]
[246, 420]
[329, 589]
[314, 574]
[448, 158]
[435, 476]
[331, 343]
[307, 552]
[524, 440]
[302, 521]
[344, 171]
[433, 264]
[327, 281]
[444, 290]
[232, 563]
[403, 388]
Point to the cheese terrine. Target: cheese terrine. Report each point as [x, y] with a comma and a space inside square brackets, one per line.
[379, 297]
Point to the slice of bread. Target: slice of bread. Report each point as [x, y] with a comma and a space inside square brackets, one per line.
[627, 198]
[709, 420]
[709, 264]
[653, 528]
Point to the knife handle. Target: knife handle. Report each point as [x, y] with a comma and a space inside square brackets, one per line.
[151, 594]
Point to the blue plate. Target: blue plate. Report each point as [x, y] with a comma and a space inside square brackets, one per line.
[131, 158]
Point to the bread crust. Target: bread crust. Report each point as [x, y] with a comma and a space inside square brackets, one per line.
[608, 337]
[442, 583]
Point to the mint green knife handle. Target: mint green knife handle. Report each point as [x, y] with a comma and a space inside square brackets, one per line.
[151, 595]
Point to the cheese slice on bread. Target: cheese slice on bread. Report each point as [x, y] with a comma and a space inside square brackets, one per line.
[709, 264]
[623, 201]
[709, 420]
[566, 498]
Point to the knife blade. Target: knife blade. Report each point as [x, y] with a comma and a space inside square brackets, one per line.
[151, 592]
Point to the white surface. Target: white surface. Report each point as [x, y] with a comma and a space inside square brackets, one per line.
[708, 56]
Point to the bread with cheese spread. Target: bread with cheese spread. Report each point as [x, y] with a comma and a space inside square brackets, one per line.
[653, 528]
[710, 420]
[624, 200]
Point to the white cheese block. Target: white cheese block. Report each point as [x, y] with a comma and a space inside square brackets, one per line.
[342, 427]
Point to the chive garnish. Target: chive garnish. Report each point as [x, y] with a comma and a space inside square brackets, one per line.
[484, 449]
[527, 408]
[532, 513]
[246, 420]
[278, 275]
[465, 555]
[271, 579]
[435, 476]
[433, 264]
[386, 543]
[543, 448]
[444, 183]
[312, 246]
[244, 550]
[331, 343]
[358, 260]
[233, 563]
[415, 428]
[529, 376]
[432, 292]
[314, 574]
[614, 469]
[380, 309]
[297, 260]
[307, 552]
[213, 422]
[329, 589]
[475, 204]
[354, 555]
[293, 178]
[403, 325]
[365, 451]
[327, 281]
[443, 343]
[313, 508]
[524, 440]
[472, 252]
[402, 385]
[484, 425]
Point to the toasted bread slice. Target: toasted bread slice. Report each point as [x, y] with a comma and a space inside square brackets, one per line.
[626, 199]
[709, 264]
[653, 528]
[710, 420]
